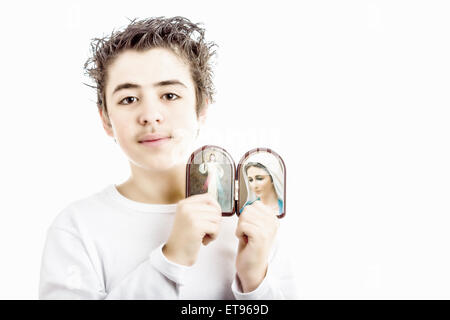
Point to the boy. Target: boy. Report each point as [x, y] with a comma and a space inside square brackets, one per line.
[142, 239]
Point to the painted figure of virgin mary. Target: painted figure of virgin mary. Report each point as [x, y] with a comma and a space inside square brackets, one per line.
[263, 176]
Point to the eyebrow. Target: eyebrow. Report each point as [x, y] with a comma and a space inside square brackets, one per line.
[129, 85]
[259, 175]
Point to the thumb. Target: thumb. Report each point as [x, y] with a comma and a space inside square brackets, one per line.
[207, 239]
[243, 240]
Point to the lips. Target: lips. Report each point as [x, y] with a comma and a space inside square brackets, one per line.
[152, 137]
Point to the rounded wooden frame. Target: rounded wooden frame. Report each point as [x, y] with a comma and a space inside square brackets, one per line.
[238, 171]
[235, 174]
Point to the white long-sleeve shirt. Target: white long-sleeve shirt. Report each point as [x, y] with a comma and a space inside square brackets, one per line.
[107, 246]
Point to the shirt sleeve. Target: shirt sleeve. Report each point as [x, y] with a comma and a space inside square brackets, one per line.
[67, 272]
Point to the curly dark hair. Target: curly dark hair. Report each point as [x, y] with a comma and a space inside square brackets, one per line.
[178, 34]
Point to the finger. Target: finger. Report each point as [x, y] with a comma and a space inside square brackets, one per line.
[206, 240]
[204, 198]
[252, 216]
[259, 214]
[211, 230]
[263, 208]
[260, 221]
[246, 229]
[205, 211]
[209, 215]
[251, 219]
[207, 204]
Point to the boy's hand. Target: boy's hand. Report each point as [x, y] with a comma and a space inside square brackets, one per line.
[197, 221]
[256, 230]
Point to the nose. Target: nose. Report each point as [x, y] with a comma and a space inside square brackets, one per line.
[150, 113]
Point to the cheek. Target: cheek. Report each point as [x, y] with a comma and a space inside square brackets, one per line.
[121, 130]
[265, 184]
[182, 114]
[184, 131]
[183, 125]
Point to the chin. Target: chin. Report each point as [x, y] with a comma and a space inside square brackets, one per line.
[163, 162]
[162, 159]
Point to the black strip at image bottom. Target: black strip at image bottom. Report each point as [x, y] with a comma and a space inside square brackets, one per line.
[227, 309]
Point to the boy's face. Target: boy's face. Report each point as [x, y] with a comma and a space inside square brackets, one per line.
[150, 97]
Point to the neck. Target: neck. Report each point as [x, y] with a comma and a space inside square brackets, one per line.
[155, 187]
[269, 199]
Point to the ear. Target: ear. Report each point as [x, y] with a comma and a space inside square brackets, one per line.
[203, 115]
[106, 123]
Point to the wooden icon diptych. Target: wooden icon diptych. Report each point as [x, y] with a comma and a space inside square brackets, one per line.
[259, 176]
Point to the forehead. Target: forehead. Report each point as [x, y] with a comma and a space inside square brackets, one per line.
[255, 171]
[147, 67]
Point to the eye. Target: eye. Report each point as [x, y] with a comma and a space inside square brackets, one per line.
[128, 100]
[170, 96]
[259, 178]
[250, 179]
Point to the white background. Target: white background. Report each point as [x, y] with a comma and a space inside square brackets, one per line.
[354, 95]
